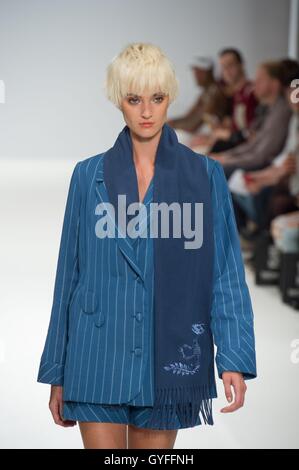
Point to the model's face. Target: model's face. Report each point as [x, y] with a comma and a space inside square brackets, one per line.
[138, 110]
[231, 69]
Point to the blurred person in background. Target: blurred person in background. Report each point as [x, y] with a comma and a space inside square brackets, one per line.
[210, 107]
[235, 128]
[284, 210]
[274, 190]
[268, 141]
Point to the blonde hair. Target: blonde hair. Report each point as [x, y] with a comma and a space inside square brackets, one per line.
[139, 67]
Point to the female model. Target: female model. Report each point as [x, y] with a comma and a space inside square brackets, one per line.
[136, 312]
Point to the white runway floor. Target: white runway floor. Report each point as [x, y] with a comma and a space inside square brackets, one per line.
[32, 207]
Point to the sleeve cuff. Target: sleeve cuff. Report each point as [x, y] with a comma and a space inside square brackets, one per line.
[237, 361]
[50, 373]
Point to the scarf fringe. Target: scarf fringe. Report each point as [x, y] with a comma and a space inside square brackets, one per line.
[188, 403]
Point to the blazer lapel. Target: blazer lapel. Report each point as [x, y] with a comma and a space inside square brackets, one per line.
[144, 225]
[124, 242]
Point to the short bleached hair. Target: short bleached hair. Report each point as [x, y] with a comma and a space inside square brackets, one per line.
[140, 67]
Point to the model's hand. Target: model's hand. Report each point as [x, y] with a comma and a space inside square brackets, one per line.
[235, 380]
[55, 405]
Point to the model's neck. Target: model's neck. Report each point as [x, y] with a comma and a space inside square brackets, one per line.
[145, 149]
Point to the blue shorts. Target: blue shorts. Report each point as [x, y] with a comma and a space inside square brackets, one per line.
[124, 414]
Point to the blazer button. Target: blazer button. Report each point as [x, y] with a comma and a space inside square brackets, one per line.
[138, 351]
[99, 319]
[139, 316]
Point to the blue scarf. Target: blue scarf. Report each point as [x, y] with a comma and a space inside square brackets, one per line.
[183, 278]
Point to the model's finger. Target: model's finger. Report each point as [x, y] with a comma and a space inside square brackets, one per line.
[228, 389]
[54, 407]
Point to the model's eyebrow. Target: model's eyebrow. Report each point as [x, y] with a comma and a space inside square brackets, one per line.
[138, 96]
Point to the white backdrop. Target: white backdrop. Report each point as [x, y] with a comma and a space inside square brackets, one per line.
[54, 55]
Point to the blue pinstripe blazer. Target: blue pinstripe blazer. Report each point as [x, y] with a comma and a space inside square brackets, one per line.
[97, 345]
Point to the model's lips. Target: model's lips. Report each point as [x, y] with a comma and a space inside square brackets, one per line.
[146, 124]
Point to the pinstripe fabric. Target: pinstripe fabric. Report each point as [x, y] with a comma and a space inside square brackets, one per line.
[232, 319]
[99, 344]
[144, 254]
[122, 414]
[137, 411]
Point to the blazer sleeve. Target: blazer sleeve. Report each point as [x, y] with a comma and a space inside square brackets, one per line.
[232, 319]
[51, 368]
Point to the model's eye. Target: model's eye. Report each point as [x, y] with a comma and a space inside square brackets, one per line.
[133, 100]
[159, 99]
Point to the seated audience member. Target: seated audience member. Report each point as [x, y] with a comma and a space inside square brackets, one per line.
[269, 140]
[285, 232]
[280, 180]
[240, 89]
[211, 105]
[267, 195]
